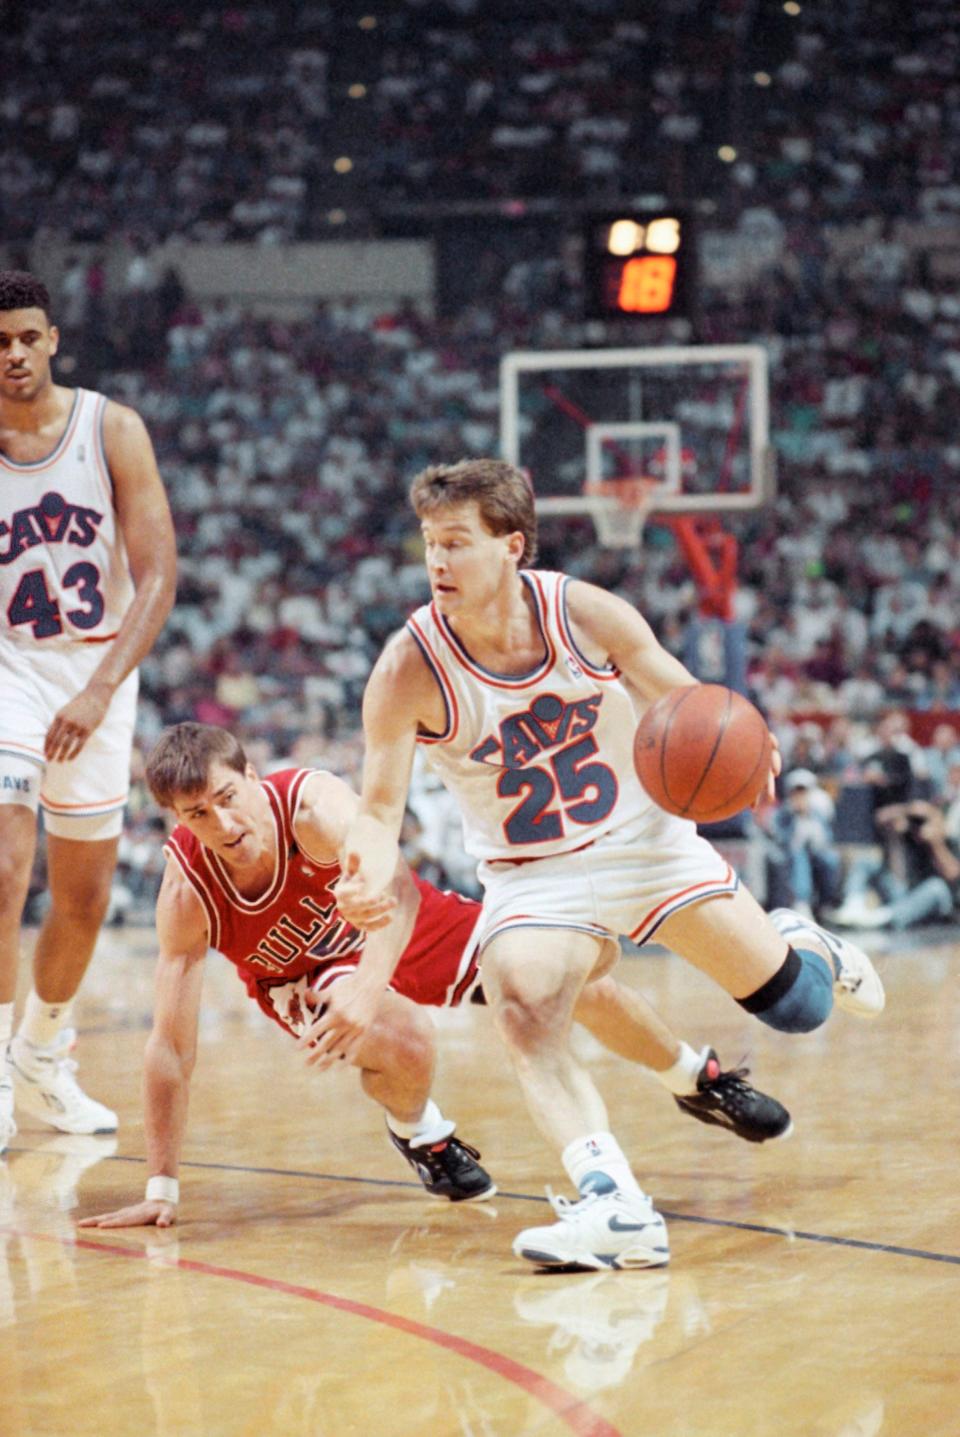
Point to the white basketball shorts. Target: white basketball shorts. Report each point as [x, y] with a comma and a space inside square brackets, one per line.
[626, 883]
[82, 799]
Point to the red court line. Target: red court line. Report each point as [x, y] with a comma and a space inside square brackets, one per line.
[570, 1410]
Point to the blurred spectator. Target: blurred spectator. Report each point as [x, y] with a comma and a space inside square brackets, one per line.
[917, 879]
[889, 767]
[804, 865]
[938, 757]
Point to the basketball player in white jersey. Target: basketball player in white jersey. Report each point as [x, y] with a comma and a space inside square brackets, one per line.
[251, 868]
[520, 684]
[87, 578]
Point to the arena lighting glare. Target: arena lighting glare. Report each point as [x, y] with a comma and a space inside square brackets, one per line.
[638, 264]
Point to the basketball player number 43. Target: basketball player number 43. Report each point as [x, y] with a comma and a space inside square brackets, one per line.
[32, 603]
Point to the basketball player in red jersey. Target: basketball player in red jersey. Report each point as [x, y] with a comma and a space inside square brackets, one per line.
[522, 687]
[87, 578]
[251, 868]
[250, 871]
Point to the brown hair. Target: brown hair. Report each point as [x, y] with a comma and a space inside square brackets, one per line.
[182, 757]
[504, 496]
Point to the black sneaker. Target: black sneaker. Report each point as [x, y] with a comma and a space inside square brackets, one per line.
[448, 1169]
[727, 1100]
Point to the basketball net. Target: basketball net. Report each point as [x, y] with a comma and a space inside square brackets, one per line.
[621, 509]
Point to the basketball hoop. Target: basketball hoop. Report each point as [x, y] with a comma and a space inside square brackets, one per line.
[620, 508]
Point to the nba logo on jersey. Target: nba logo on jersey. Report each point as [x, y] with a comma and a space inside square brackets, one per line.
[575, 669]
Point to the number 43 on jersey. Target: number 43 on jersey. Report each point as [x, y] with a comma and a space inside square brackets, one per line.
[33, 603]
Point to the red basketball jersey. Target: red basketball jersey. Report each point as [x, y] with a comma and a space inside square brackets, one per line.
[293, 928]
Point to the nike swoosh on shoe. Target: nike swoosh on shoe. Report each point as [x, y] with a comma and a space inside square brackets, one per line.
[616, 1224]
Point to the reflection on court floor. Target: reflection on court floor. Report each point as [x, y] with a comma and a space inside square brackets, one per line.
[311, 1288]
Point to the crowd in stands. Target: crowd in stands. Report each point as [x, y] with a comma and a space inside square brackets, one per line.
[287, 443]
[287, 447]
[228, 121]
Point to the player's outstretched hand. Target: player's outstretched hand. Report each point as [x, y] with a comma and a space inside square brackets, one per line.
[345, 1014]
[355, 902]
[138, 1214]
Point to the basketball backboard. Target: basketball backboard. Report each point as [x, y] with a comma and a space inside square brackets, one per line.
[691, 422]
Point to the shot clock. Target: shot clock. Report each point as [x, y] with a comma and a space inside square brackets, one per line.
[638, 265]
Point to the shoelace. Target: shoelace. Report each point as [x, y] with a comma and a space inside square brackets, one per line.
[66, 1066]
[57, 1056]
[734, 1082]
[460, 1152]
[567, 1210]
[848, 981]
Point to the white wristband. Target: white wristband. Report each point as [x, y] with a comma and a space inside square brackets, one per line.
[163, 1189]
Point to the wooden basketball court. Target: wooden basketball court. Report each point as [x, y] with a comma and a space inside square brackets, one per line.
[311, 1287]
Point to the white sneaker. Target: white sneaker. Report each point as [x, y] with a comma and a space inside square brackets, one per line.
[8, 1127]
[616, 1229]
[857, 986]
[878, 917]
[46, 1088]
[854, 912]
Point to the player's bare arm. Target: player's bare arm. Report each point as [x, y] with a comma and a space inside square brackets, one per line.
[327, 810]
[401, 699]
[144, 519]
[172, 1046]
[611, 630]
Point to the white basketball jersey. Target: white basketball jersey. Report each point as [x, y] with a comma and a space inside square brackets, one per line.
[64, 576]
[539, 763]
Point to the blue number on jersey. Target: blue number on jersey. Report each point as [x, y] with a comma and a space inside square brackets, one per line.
[570, 774]
[34, 604]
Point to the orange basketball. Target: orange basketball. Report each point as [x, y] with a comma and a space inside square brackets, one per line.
[703, 752]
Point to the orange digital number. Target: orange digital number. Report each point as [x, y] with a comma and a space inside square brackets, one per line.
[646, 284]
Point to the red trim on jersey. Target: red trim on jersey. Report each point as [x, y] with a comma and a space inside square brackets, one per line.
[446, 687]
[609, 671]
[486, 676]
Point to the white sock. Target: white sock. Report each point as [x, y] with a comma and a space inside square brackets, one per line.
[41, 1022]
[597, 1163]
[6, 1029]
[430, 1127]
[682, 1077]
